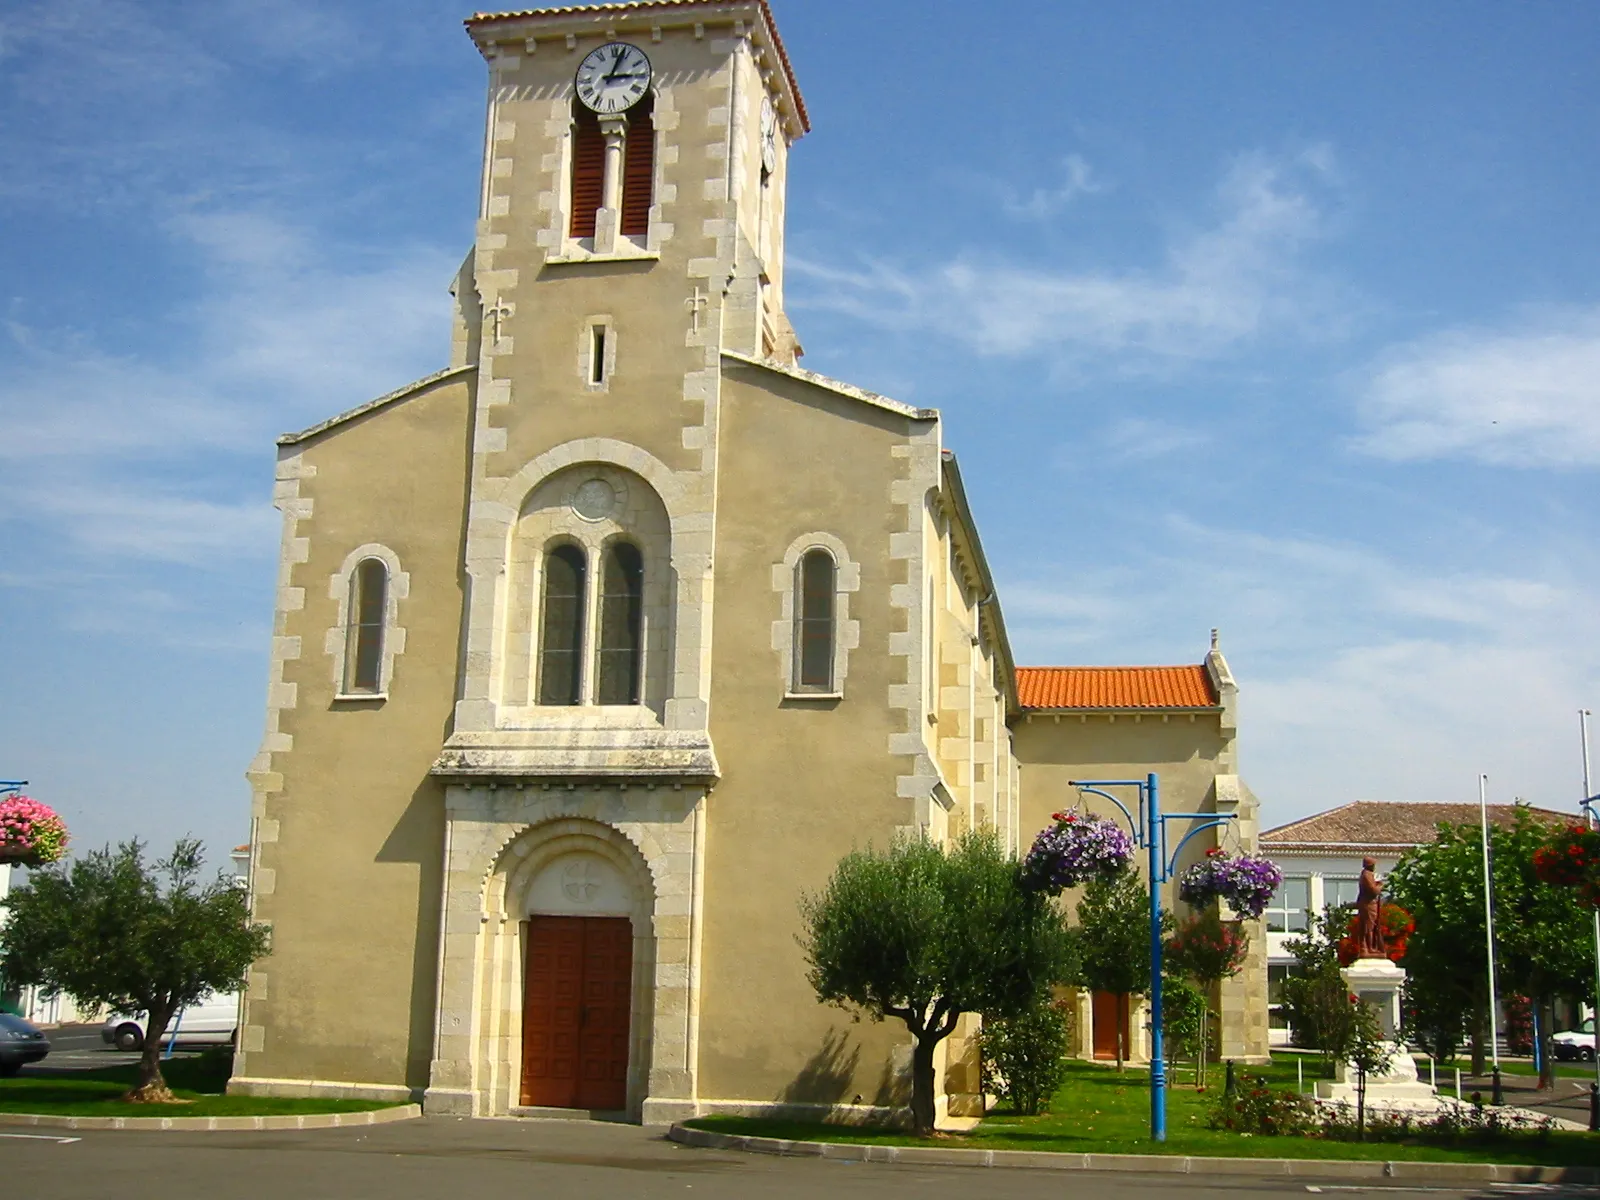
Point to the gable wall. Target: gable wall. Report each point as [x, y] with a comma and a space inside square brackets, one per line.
[349, 825]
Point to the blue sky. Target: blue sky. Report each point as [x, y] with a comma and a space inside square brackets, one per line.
[1267, 317]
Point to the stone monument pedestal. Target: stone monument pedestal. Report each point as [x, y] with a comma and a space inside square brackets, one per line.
[1376, 982]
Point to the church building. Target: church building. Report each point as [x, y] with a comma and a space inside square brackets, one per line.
[597, 649]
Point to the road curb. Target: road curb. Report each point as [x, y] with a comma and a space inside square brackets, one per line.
[1171, 1164]
[375, 1116]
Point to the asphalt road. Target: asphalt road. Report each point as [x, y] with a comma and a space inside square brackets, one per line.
[440, 1157]
[81, 1048]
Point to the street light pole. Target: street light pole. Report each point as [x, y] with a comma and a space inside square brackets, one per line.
[1158, 1064]
[1591, 821]
[1488, 918]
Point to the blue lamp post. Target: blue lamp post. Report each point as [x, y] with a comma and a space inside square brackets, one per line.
[1149, 831]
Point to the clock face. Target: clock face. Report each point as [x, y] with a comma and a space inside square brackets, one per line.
[613, 78]
[769, 135]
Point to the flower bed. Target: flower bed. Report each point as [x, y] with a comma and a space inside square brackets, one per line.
[1246, 882]
[1076, 849]
[31, 834]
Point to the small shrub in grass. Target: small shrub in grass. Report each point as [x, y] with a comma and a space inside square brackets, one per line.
[1257, 1107]
[1455, 1124]
[1024, 1056]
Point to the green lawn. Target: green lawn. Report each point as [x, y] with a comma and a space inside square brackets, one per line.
[197, 1081]
[1102, 1112]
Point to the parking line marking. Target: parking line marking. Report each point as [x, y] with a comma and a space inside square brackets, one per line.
[41, 1137]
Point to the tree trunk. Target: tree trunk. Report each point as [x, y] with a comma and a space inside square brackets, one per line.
[1479, 1036]
[1122, 1029]
[1361, 1104]
[152, 1087]
[922, 1106]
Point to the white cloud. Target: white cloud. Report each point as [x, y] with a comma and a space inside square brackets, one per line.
[1524, 397]
[106, 448]
[1143, 439]
[1361, 675]
[1044, 203]
[1218, 288]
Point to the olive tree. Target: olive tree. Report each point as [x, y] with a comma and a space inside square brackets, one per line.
[923, 934]
[114, 930]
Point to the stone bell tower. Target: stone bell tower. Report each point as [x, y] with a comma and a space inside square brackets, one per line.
[630, 236]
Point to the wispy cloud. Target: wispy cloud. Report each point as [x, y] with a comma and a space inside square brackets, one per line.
[1217, 288]
[1043, 203]
[1525, 396]
[1361, 674]
[1143, 439]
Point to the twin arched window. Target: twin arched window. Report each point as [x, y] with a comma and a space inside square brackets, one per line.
[614, 673]
[366, 617]
[814, 633]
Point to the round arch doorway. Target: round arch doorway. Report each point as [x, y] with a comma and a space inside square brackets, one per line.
[578, 985]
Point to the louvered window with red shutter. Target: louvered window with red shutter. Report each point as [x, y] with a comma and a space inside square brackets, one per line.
[588, 171]
[638, 169]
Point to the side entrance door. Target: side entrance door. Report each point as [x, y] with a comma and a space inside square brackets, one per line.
[577, 996]
[1110, 1024]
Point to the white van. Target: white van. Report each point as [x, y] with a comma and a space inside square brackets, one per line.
[212, 1021]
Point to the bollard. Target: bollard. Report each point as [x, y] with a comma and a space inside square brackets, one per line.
[1229, 1088]
[1299, 1074]
[1499, 1092]
[1433, 1073]
[1458, 1083]
[1594, 1107]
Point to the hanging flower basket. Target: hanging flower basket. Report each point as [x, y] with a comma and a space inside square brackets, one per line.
[1572, 859]
[1246, 882]
[31, 834]
[1076, 849]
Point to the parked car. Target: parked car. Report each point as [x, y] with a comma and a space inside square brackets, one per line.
[20, 1042]
[1575, 1043]
[213, 1021]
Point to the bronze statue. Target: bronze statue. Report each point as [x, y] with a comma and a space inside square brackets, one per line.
[1370, 941]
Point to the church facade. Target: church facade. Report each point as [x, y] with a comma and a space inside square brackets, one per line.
[597, 649]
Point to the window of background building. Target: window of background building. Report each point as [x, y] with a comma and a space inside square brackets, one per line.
[1336, 892]
[1290, 904]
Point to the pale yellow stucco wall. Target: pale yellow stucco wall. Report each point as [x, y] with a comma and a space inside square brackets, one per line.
[348, 834]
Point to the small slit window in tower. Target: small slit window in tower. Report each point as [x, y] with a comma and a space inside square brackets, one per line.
[597, 354]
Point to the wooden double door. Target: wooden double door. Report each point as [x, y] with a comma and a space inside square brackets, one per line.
[578, 992]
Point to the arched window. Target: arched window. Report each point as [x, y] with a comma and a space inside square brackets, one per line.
[369, 599]
[638, 169]
[814, 625]
[561, 639]
[621, 625]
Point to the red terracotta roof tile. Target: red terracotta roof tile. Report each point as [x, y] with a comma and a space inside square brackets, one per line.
[1390, 823]
[1115, 687]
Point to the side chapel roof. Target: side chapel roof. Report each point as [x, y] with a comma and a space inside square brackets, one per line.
[1116, 688]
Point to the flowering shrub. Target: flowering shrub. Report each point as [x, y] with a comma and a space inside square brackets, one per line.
[1207, 949]
[1572, 859]
[30, 833]
[1074, 850]
[1258, 1107]
[1247, 883]
[1397, 927]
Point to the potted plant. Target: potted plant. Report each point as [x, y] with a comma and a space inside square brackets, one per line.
[31, 834]
[1246, 882]
[1076, 849]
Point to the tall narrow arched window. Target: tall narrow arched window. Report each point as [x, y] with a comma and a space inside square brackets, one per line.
[621, 626]
[638, 169]
[814, 624]
[561, 638]
[588, 171]
[369, 599]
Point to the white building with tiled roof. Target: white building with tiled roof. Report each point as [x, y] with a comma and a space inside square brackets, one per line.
[1321, 860]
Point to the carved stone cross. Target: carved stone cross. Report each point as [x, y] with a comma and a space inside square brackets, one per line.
[694, 304]
[497, 314]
